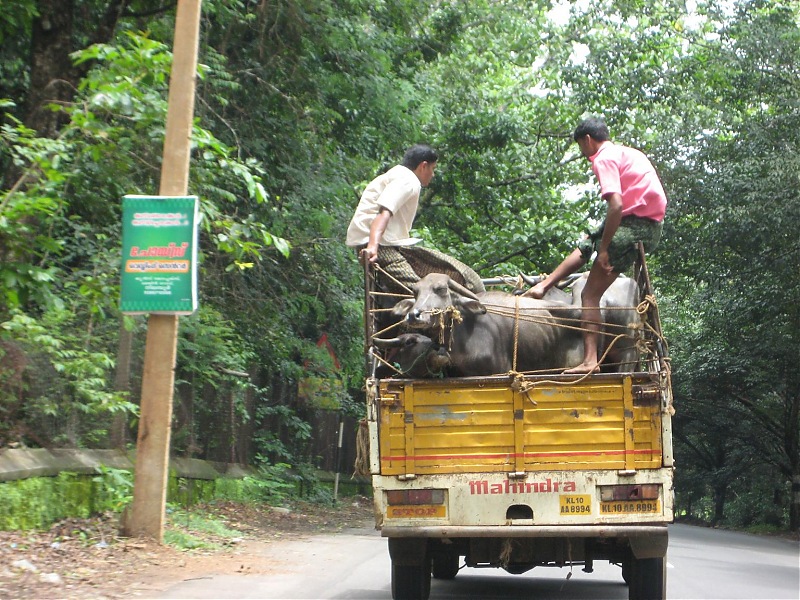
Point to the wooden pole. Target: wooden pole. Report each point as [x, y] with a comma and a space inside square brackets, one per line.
[146, 517]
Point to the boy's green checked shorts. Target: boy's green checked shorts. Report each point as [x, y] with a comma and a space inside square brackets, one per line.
[622, 251]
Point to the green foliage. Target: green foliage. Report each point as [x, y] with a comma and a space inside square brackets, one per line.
[236, 490]
[38, 502]
[80, 387]
[123, 114]
[273, 447]
[183, 525]
[500, 201]
[210, 349]
[186, 541]
[114, 486]
[195, 522]
[735, 263]
[59, 232]
[310, 487]
[16, 15]
[274, 483]
[187, 492]
[28, 217]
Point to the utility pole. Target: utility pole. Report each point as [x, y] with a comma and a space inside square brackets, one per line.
[146, 517]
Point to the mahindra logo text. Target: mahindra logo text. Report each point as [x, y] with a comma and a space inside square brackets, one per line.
[521, 487]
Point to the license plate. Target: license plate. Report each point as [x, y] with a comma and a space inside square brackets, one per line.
[630, 506]
[422, 511]
[575, 504]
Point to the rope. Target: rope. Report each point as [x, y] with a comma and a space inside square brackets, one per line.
[643, 309]
[516, 333]
[387, 363]
[555, 323]
[450, 316]
[520, 385]
[393, 278]
[531, 384]
[422, 356]
[644, 306]
[505, 552]
[447, 319]
[361, 464]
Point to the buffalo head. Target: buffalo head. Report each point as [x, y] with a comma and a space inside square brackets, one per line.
[434, 294]
[417, 355]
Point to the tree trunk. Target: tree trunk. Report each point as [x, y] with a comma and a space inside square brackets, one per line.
[232, 420]
[52, 77]
[720, 493]
[246, 427]
[122, 383]
[794, 504]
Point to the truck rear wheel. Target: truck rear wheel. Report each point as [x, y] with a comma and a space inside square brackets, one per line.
[411, 582]
[445, 565]
[647, 579]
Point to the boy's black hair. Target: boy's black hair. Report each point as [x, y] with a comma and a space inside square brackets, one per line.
[417, 154]
[594, 127]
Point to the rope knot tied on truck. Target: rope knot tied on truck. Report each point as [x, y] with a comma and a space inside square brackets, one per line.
[483, 454]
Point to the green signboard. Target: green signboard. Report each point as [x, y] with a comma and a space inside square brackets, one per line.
[159, 255]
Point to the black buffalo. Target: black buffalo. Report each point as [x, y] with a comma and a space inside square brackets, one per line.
[547, 331]
[415, 355]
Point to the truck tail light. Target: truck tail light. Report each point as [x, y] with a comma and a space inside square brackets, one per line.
[406, 497]
[646, 491]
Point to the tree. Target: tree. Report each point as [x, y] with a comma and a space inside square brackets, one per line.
[736, 220]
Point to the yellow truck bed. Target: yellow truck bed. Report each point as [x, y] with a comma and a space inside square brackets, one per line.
[482, 425]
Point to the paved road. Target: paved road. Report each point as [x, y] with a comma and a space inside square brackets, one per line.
[702, 564]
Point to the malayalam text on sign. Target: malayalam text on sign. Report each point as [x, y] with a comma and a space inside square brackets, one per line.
[159, 254]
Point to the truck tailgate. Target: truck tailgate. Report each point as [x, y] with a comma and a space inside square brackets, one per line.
[487, 424]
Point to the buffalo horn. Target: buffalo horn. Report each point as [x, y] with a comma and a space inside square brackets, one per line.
[460, 289]
[390, 343]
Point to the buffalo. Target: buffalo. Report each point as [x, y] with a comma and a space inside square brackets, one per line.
[479, 329]
[415, 355]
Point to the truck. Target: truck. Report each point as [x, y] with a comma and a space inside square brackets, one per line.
[537, 470]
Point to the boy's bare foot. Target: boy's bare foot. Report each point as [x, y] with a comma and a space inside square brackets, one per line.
[583, 369]
[538, 291]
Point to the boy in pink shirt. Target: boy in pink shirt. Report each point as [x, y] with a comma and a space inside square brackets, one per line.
[635, 209]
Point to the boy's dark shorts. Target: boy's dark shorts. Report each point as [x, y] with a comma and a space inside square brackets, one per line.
[622, 251]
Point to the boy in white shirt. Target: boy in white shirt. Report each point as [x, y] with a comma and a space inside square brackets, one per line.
[381, 225]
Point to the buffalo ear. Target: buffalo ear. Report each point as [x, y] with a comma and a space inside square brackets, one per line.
[402, 308]
[472, 306]
[390, 343]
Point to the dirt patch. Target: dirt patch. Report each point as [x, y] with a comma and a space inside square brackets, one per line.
[88, 559]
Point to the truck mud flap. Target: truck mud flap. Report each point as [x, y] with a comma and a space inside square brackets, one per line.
[650, 546]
